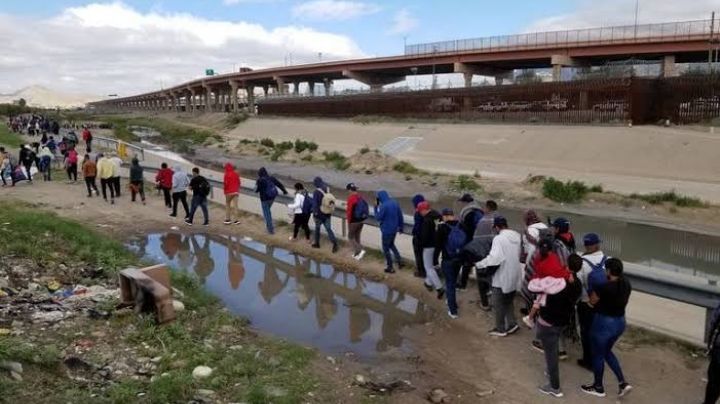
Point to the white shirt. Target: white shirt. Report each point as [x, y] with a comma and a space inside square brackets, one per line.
[297, 203]
[534, 231]
[595, 258]
[505, 252]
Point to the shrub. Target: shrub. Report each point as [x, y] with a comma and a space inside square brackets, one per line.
[672, 197]
[405, 168]
[464, 183]
[235, 119]
[267, 142]
[568, 192]
[284, 146]
[302, 145]
[597, 188]
[336, 160]
[248, 141]
[364, 150]
[276, 154]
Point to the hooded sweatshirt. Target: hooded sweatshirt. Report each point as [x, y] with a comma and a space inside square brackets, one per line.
[180, 180]
[264, 183]
[352, 200]
[470, 216]
[428, 231]
[231, 181]
[105, 168]
[388, 214]
[318, 196]
[417, 224]
[89, 168]
[505, 253]
[164, 178]
[136, 171]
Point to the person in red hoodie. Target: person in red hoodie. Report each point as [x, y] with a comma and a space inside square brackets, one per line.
[87, 137]
[163, 179]
[357, 211]
[231, 185]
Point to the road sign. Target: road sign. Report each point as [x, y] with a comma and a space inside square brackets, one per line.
[209, 72]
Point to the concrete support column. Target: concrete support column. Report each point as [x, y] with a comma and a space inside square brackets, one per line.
[280, 82]
[311, 88]
[296, 88]
[557, 72]
[250, 98]
[265, 89]
[233, 95]
[328, 86]
[499, 80]
[669, 68]
[468, 76]
[208, 98]
[191, 104]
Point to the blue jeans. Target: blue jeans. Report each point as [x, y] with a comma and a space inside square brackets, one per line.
[201, 201]
[604, 333]
[451, 268]
[388, 246]
[267, 214]
[324, 221]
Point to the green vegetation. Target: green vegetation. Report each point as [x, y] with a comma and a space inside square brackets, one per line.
[267, 142]
[465, 183]
[8, 138]
[670, 197]
[365, 150]
[564, 192]
[236, 119]
[336, 160]
[405, 168]
[302, 145]
[14, 109]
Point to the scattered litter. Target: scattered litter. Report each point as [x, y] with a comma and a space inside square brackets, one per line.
[438, 396]
[178, 305]
[174, 228]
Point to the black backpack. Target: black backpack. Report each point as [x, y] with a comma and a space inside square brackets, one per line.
[204, 187]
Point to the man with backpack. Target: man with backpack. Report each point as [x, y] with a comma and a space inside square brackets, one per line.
[451, 239]
[266, 186]
[479, 247]
[323, 208]
[592, 275]
[357, 211]
[470, 216]
[390, 217]
[201, 189]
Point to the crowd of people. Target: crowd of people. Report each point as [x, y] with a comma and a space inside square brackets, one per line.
[567, 295]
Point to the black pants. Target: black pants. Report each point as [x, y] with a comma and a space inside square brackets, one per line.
[107, 183]
[585, 320]
[300, 221]
[116, 185]
[418, 252]
[712, 391]
[72, 172]
[166, 194]
[90, 184]
[483, 284]
[27, 167]
[137, 187]
[88, 145]
[180, 197]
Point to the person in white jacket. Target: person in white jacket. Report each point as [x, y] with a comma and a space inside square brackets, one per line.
[300, 218]
[505, 255]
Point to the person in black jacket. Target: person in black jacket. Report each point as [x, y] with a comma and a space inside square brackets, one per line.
[470, 215]
[201, 190]
[322, 219]
[712, 391]
[267, 187]
[552, 319]
[451, 260]
[428, 239]
[417, 249]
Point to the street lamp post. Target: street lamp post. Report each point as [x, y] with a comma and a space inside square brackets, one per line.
[434, 76]
[637, 9]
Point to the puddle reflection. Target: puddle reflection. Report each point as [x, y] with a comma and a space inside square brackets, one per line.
[291, 296]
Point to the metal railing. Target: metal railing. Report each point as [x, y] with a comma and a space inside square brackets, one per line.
[122, 148]
[605, 35]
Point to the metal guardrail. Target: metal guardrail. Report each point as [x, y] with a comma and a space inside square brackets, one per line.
[643, 279]
[604, 35]
[119, 146]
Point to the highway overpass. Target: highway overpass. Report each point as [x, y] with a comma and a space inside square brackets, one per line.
[498, 57]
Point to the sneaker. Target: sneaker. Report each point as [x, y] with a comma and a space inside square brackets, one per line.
[428, 287]
[452, 316]
[237, 222]
[562, 355]
[528, 322]
[227, 222]
[547, 389]
[593, 390]
[360, 255]
[537, 345]
[624, 389]
[513, 329]
[440, 293]
[112, 201]
[189, 223]
[291, 238]
[389, 271]
[497, 333]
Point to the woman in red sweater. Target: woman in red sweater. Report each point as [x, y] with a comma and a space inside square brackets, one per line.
[231, 185]
[163, 179]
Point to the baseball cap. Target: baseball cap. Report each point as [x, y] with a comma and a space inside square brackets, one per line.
[561, 222]
[500, 221]
[467, 198]
[447, 212]
[424, 205]
[591, 239]
[351, 187]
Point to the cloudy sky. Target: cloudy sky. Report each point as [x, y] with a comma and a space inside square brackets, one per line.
[132, 46]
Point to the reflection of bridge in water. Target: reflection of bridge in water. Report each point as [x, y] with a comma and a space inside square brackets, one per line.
[287, 287]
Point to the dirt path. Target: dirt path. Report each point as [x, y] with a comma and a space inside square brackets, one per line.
[457, 356]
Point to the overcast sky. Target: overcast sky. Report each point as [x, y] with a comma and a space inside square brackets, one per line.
[139, 45]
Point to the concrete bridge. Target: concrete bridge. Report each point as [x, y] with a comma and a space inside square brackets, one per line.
[498, 57]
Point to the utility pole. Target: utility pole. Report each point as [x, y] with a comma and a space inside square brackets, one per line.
[637, 9]
[434, 76]
[711, 48]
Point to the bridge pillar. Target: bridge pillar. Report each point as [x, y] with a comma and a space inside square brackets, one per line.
[311, 88]
[328, 86]
[669, 68]
[376, 81]
[191, 104]
[560, 61]
[265, 88]
[281, 87]
[250, 89]
[208, 98]
[468, 79]
[296, 88]
[233, 95]
[557, 72]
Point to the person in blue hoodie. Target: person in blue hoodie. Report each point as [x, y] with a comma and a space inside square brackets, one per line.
[417, 248]
[390, 217]
[322, 219]
[267, 187]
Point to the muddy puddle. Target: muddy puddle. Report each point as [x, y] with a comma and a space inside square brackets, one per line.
[290, 296]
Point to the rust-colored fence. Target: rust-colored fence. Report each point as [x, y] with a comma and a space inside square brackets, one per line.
[607, 101]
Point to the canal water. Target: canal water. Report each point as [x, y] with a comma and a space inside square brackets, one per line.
[290, 296]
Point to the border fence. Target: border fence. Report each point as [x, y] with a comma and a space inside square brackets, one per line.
[683, 100]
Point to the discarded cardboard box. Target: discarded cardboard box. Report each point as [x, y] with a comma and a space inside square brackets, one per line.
[148, 289]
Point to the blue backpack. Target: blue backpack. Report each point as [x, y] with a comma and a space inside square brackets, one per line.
[361, 211]
[456, 241]
[271, 190]
[307, 204]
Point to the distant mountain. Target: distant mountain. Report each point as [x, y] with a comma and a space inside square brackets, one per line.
[43, 97]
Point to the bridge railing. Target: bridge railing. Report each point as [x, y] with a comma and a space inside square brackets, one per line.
[604, 35]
